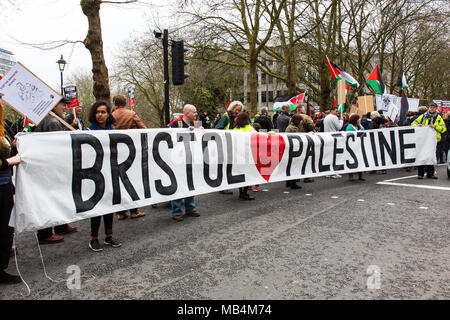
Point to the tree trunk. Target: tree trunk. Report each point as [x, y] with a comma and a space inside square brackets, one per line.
[253, 84]
[94, 43]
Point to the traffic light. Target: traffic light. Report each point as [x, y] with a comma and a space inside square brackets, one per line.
[178, 63]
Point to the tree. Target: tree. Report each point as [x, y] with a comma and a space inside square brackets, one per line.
[239, 28]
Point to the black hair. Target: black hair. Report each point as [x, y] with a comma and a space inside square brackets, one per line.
[93, 111]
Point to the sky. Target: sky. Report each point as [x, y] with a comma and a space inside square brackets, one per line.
[40, 21]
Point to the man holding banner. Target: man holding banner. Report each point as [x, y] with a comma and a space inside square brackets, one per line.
[432, 119]
[48, 124]
[188, 121]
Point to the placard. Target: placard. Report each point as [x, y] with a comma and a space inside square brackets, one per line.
[366, 104]
[70, 92]
[27, 94]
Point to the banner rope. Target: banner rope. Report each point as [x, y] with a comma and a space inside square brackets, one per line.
[17, 266]
[43, 263]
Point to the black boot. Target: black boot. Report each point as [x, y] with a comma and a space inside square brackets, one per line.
[6, 278]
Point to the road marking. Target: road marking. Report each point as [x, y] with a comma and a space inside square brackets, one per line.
[334, 197]
[413, 186]
[361, 200]
[391, 183]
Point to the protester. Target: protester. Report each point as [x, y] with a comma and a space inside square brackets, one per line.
[294, 126]
[446, 136]
[227, 120]
[126, 119]
[48, 124]
[205, 123]
[307, 125]
[318, 121]
[274, 118]
[76, 122]
[242, 123]
[331, 123]
[354, 124]
[377, 121]
[294, 123]
[365, 121]
[284, 118]
[264, 120]
[410, 117]
[101, 118]
[8, 159]
[345, 118]
[188, 121]
[432, 119]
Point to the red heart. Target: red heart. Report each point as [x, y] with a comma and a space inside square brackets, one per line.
[267, 151]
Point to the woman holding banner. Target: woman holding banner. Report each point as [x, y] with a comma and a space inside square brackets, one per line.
[101, 118]
[6, 200]
[242, 123]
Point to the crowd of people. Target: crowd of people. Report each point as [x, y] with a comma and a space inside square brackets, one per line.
[104, 117]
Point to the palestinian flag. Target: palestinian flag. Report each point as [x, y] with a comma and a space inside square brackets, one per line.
[341, 107]
[401, 80]
[334, 102]
[26, 125]
[347, 90]
[404, 107]
[293, 102]
[228, 105]
[339, 74]
[376, 81]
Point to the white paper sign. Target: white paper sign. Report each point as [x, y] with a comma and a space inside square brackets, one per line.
[392, 112]
[383, 104]
[27, 94]
[70, 176]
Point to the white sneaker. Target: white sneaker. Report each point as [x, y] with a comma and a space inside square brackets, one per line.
[336, 176]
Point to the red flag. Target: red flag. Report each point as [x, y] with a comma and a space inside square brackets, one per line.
[298, 99]
[228, 105]
[334, 102]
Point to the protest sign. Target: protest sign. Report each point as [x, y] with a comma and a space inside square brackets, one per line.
[70, 92]
[131, 100]
[27, 94]
[70, 176]
[366, 104]
[392, 112]
[384, 103]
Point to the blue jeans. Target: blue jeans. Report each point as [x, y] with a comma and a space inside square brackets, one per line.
[189, 206]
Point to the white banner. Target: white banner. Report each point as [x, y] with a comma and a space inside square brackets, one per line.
[70, 176]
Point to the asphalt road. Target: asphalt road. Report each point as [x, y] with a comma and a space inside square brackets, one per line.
[332, 239]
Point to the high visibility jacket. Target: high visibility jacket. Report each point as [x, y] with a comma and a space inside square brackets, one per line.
[439, 124]
[248, 128]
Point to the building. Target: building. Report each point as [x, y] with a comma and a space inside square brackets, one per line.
[7, 61]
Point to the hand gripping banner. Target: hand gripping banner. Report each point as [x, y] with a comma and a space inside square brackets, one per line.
[70, 176]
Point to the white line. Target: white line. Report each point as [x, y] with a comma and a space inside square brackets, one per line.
[395, 179]
[413, 186]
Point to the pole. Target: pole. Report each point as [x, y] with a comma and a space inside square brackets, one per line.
[62, 93]
[166, 75]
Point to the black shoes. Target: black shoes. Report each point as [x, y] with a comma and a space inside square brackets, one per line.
[94, 245]
[226, 192]
[112, 242]
[432, 177]
[293, 185]
[6, 278]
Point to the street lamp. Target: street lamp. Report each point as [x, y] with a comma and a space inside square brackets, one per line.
[61, 65]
